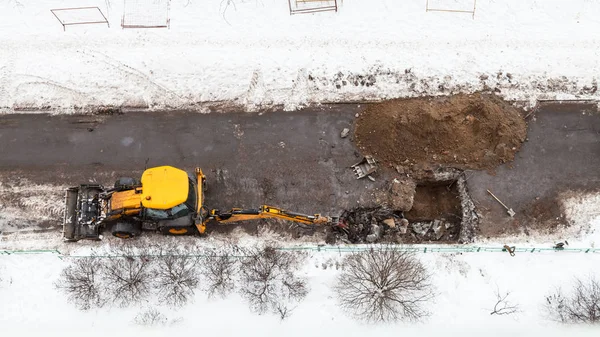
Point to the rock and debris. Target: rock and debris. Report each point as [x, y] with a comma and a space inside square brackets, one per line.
[360, 225]
[478, 131]
[436, 230]
[403, 226]
[344, 133]
[380, 224]
[398, 195]
[391, 223]
[402, 194]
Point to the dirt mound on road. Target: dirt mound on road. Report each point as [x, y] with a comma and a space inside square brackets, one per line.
[478, 131]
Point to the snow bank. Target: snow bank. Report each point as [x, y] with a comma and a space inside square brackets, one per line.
[254, 54]
[583, 213]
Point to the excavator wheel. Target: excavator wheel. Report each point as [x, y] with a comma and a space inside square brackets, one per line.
[170, 230]
[126, 230]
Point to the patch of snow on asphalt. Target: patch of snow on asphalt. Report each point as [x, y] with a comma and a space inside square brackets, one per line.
[583, 212]
[23, 204]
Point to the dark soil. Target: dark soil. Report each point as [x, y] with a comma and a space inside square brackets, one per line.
[545, 214]
[436, 201]
[478, 131]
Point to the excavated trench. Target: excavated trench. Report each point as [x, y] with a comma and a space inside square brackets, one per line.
[436, 213]
[429, 141]
[442, 211]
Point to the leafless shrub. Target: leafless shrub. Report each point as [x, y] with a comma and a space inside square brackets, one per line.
[384, 285]
[82, 282]
[177, 277]
[16, 4]
[503, 306]
[580, 305]
[150, 317]
[128, 277]
[219, 269]
[269, 281]
[283, 310]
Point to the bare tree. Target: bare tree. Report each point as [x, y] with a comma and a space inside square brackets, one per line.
[82, 282]
[128, 276]
[283, 310]
[177, 277]
[16, 3]
[269, 280]
[384, 285]
[580, 305]
[503, 306]
[150, 317]
[219, 269]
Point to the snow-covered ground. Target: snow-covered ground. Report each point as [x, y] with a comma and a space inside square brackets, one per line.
[253, 53]
[20, 198]
[465, 288]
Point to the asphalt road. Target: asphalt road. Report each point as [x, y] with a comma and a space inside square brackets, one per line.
[562, 154]
[296, 160]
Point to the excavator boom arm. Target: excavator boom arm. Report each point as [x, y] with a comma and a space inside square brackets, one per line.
[265, 211]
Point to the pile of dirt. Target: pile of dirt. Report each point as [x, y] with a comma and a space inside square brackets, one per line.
[478, 131]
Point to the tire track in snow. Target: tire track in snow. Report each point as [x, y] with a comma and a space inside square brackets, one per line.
[25, 205]
[44, 91]
[257, 92]
[138, 77]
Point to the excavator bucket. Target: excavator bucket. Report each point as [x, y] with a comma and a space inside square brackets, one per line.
[365, 167]
[82, 212]
[70, 220]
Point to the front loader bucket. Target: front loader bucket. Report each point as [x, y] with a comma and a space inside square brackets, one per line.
[70, 220]
[82, 212]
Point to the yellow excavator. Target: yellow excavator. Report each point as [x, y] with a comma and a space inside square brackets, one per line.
[165, 199]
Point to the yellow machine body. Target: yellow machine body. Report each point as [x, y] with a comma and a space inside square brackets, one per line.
[126, 199]
[164, 187]
[128, 202]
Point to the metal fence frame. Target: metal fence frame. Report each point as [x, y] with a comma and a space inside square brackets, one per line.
[166, 25]
[78, 23]
[351, 249]
[317, 9]
[427, 9]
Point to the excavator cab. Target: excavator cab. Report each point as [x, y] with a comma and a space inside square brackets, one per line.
[170, 198]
